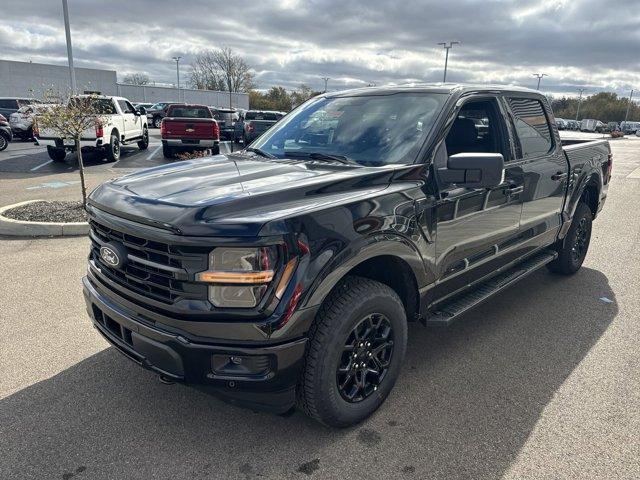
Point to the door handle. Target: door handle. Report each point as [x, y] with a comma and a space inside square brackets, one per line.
[558, 176]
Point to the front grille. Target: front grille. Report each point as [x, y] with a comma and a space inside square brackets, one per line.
[153, 269]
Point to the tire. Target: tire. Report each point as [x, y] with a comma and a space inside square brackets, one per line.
[4, 142]
[573, 250]
[215, 150]
[167, 151]
[112, 151]
[157, 121]
[56, 154]
[144, 143]
[356, 304]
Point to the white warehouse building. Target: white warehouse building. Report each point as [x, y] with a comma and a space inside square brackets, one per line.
[32, 80]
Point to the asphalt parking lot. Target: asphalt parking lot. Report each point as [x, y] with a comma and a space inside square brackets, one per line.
[542, 382]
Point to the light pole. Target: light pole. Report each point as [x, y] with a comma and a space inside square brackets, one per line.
[177, 60]
[326, 81]
[447, 47]
[67, 31]
[539, 76]
[626, 116]
[579, 102]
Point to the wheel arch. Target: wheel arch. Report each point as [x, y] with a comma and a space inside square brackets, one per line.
[392, 262]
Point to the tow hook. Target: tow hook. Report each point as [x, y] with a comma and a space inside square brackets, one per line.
[165, 380]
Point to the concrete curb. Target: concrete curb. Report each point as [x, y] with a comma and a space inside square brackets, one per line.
[21, 228]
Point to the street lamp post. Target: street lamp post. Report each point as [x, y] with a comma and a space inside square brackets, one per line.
[626, 116]
[67, 31]
[539, 76]
[326, 81]
[579, 102]
[447, 47]
[177, 60]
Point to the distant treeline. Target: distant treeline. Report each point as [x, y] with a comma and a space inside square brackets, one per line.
[277, 98]
[606, 107]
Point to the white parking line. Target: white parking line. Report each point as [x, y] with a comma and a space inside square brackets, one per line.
[41, 165]
[154, 152]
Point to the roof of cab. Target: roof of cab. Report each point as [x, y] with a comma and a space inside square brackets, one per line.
[446, 88]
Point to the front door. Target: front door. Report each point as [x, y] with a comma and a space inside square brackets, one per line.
[477, 226]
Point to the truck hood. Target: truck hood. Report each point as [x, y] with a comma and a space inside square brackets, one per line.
[236, 195]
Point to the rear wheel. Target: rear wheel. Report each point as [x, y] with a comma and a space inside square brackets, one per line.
[573, 250]
[4, 142]
[356, 349]
[144, 142]
[167, 151]
[113, 149]
[56, 154]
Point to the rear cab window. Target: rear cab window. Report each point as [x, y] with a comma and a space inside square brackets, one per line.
[271, 116]
[186, 111]
[532, 127]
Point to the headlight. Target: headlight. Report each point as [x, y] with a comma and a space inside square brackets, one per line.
[239, 277]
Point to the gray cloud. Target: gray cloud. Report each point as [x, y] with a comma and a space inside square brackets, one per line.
[577, 42]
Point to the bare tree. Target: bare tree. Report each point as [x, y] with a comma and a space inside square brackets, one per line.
[68, 120]
[221, 69]
[205, 73]
[136, 79]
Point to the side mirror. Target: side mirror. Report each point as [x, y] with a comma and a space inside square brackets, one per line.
[474, 170]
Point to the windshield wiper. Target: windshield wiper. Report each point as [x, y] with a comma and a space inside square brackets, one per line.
[262, 153]
[318, 156]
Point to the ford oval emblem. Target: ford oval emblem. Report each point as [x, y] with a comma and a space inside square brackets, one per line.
[110, 256]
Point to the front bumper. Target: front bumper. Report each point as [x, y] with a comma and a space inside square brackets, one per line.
[270, 386]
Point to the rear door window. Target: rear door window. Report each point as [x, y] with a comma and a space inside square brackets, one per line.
[532, 127]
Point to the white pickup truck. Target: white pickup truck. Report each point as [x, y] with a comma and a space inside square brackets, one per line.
[121, 124]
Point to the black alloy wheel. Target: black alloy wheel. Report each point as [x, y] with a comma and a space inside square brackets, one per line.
[581, 242]
[365, 358]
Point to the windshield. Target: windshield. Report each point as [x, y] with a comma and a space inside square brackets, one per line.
[368, 130]
[157, 106]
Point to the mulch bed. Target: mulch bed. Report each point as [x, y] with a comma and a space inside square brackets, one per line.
[48, 212]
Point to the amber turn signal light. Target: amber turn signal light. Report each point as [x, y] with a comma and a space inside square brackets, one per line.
[289, 268]
[235, 277]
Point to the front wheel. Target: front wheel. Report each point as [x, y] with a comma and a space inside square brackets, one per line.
[355, 351]
[144, 142]
[157, 121]
[573, 250]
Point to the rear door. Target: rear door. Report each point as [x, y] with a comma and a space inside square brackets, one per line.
[544, 168]
[475, 226]
[131, 120]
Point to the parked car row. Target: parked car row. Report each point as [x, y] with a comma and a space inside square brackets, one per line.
[564, 124]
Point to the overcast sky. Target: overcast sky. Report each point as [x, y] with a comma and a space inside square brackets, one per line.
[578, 43]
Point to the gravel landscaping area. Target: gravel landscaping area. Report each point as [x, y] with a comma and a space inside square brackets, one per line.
[48, 212]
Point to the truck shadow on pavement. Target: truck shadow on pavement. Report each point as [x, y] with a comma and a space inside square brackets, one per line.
[464, 406]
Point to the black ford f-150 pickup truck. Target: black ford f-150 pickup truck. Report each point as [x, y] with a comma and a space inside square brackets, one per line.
[285, 274]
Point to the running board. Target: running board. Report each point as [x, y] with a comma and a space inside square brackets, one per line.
[447, 312]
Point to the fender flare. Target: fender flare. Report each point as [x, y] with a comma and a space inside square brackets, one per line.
[338, 266]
